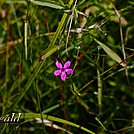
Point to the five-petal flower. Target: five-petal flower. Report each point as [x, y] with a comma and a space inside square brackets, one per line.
[63, 70]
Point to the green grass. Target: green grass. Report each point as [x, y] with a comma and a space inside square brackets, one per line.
[96, 36]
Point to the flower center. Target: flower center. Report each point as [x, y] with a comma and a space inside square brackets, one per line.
[63, 69]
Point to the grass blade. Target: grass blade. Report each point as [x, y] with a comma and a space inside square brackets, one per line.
[52, 118]
[47, 4]
[25, 39]
[49, 51]
[111, 53]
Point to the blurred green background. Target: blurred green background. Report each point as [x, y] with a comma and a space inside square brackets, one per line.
[98, 96]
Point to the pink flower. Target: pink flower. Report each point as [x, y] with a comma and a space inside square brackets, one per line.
[63, 70]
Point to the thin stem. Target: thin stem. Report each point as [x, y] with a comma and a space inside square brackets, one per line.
[70, 24]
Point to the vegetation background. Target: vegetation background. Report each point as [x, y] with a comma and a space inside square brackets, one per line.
[97, 36]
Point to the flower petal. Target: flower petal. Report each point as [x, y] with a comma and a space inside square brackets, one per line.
[63, 76]
[57, 72]
[67, 64]
[69, 71]
[58, 64]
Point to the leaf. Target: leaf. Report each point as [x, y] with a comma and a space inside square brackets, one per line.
[79, 99]
[52, 118]
[82, 103]
[61, 2]
[111, 53]
[47, 4]
[48, 51]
